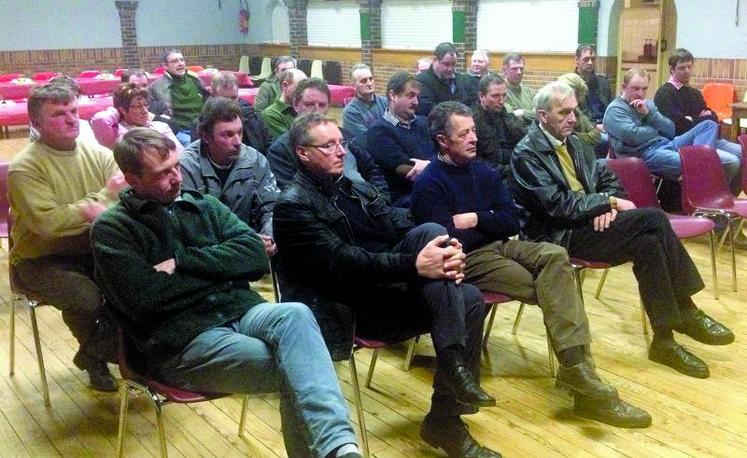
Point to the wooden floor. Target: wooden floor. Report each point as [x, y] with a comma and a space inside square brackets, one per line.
[691, 417]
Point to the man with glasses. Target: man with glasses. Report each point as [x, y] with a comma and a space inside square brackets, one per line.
[366, 107]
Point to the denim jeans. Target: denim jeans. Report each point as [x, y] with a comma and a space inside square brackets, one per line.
[272, 347]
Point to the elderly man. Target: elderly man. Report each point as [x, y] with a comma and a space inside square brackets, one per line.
[366, 107]
[364, 266]
[57, 186]
[498, 131]
[175, 267]
[399, 142]
[637, 128]
[479, 68]
[685, 106]
[599, 91]
[279, 116]
[255, 131]
[269, 90]
[220, 165]
[312, 96]
[441, 82]
[573, 201]
[519, 99]
[181, 91]
[131, 104]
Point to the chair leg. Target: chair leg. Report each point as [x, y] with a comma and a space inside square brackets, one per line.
[713, 264]
[601, 283]
[159, 425]
[124, 394]
[39, 355]
[359, 406]
[519, 314]
[643, 318]
[242, 418]
[410, 353]
[371, 367]
[733, 258]
[578, 279]
[12, 332]
[489, 327]
[550, 355]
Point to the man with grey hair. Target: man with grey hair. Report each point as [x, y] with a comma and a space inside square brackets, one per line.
[269, 90]
[480, 67]
[519, 99]
[279, 116]
[575, 202]
[366, 107]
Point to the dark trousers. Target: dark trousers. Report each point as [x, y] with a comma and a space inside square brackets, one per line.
[666, 275]
[453, 313]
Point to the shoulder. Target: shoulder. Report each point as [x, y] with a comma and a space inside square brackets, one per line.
[191, 154]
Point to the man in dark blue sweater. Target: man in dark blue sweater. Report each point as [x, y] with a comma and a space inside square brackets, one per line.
[468, 198]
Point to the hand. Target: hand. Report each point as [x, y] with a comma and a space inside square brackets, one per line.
[640, 106]
[418, 166]
[114, 184]
[689, 118]
[519, 113]
[456, 262]
[465, 220]
[624, 204]
[168, 266]
[599, 128]
[705, 113]
[603, 222]
[439, 259]
[91, 210]
[270, 247]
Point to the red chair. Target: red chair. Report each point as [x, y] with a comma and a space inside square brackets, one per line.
[705, 192]
[4, 202]
[158, 393]
[89, 74]
[743, 142]
[118, 72]
[159, 70]
[44, 76]
[636, 179]
[8, 77]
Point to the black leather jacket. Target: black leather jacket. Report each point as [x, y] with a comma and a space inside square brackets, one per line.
[551, 209]
[320, 261]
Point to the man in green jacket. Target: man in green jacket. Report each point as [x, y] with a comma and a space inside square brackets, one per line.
[175, 266]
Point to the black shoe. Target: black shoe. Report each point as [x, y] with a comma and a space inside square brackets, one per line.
[705, 329]
[99, 377]
[676, 356]
[453, 437]
[466, 389]
[613, 411]
[581, 379]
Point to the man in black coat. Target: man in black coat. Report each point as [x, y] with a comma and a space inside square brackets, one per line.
[441, 83]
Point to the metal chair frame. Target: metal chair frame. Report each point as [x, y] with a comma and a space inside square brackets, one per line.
[32, 305]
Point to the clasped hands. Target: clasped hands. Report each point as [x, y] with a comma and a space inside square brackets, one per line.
[442, 257]
[603, 221]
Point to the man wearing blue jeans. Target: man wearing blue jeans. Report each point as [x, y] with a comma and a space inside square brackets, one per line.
[637, 128]
[175, 267]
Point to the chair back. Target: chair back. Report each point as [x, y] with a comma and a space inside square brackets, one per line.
[718, 97]
[304, 65]
[44, 76]
[89, 74]
[332, 72]
[4, 200]
[703, 180]
[195, 68]
[8, 77]
[255, 65]
[244, 64]
[743, 142]
[636, 179]
[316, 69]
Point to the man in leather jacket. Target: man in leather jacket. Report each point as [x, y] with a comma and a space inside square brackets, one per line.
[362, 265]
[573, 201]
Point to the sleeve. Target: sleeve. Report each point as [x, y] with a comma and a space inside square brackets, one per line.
[663, 125]
[283, 163]
[263, 98]
[274, 123]
[666, 106]
[369, 170]
[105, 126]
[352, 120]
[619, 123]
[386, 150]
[427, 98]
[267, 194]
[191, 173]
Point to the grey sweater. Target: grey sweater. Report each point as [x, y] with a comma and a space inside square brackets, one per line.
[631, 133]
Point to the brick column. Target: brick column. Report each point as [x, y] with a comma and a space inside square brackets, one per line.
[370, 11]
[128, 29]
[464, 24]
[588, 16]
[299, 35]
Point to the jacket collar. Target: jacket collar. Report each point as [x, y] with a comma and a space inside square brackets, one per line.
[327, 186]
[139, 206]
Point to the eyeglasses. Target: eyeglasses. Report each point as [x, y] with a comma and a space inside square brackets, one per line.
[330, 147]
[366, 80]
[143, 106]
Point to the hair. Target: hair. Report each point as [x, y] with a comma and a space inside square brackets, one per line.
[49, 93]
[125, 93]
[290, 75]
[358, 67]
[299, 131]
[440, 116]
[66, 81]
[546, 96]
[512, 57]
[487, 80]
[127, 74]
[443, 49]
[224, 79]
[217, 109]
[128, 152]
[170, 51]
[680, 55]
[399, 81]
[582, 48]
[576, 83]
[314, 83]
[481, 53]
[276, 61]
[635, 72]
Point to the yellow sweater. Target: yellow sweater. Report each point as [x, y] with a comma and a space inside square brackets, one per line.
[46, 189]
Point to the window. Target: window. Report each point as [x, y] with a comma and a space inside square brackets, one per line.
[334, 23]
[411, 24]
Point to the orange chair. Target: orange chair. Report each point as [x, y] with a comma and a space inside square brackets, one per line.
[195, 68]
[718, 97]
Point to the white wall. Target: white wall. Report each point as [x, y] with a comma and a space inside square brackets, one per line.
[413, 24]
[333, 23]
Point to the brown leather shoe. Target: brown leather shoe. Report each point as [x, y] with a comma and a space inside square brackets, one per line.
[613, 411]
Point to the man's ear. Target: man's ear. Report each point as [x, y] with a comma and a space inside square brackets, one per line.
[130, 179]
[302, 153]
[542, 116]
[442, 141]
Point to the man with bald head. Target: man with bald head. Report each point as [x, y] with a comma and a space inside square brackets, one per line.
[366, 107]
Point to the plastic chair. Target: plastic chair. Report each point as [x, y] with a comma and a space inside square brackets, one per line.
[4, 202]
[158, 393]
[332, 72]
[195, 68]
[743, 142]
[304, 65]
[705, 192]
[159, 70]
[8, 77]
[44, 76]
[316, 69]
[255, 65]
[89, 74]
[265, 70]
[244, 64]
[719, 97]
[118, 72]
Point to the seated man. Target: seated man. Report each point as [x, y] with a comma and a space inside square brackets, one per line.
[220, 165]
[181, 91]
[130, 110]
[498, 131]
[366, 107]
[423, 64]
[599, 93]
[479, 69]
[57, 186]
[269, 90]
[637, 128]
[469, 200]
[279, 116]
[441, 82]
[519, 98]
[589, 133]
[85, 132]
[175, 267]
[312, 96]
[685, 106]
[363, 265]
[573, 201]
[399, 142]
